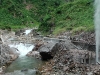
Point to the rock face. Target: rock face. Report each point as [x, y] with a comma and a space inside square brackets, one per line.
[83, 45]
[7, 55]
[84, 40]
[48, 51]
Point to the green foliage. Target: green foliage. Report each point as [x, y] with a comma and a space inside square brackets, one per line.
[75, 14]
[14, 13]
[48, 15]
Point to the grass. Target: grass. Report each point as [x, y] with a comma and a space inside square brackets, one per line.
[75, 16]
[59, 30]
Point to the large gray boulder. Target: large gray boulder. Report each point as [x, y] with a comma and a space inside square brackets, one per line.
[47, 51]
[7, 54]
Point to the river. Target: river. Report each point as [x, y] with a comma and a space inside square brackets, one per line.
[23, 62]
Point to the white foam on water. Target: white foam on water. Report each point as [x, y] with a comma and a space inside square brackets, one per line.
[27, 31]
[23, 48]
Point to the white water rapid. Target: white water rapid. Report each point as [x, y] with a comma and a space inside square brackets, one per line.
[97, 29]
[23, 65]
[27, 31]
[23, 48]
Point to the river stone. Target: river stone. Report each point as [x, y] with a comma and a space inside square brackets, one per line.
[14, 51]
[33, 54]
[7, 55]
[47, 51]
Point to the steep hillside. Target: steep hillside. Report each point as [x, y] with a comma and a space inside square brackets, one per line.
[16, 14]
[51, 16]
[75, 15]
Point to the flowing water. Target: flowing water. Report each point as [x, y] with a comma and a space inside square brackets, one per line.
[27, 31]
[23, 62]
[23, 48]
[97, 29]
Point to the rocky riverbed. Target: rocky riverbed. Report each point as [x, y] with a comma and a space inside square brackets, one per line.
[7, 56]
[72, 60]
[63, 57]
[9, 38]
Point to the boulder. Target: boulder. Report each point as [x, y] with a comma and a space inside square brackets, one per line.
[37, 46]
[47, 51]
[7, 54]
[14, 51]
[13, 57]
[33, 54]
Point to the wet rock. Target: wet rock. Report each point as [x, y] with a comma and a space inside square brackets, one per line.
[35, 51]
[14, 51]
[13, 57]
[7, 55]
[34, 54]
[38, 44]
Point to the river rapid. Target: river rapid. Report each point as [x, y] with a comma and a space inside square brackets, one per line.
[23, 63]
